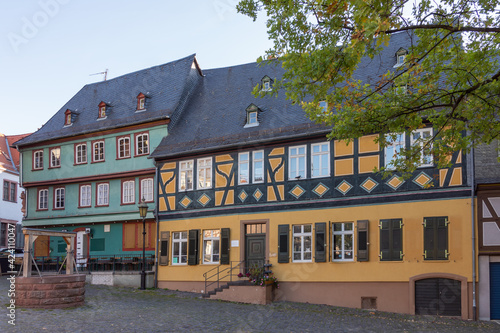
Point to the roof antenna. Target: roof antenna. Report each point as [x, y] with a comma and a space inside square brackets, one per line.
[105, 74]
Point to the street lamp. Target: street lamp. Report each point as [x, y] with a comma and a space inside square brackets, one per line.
[143, 211]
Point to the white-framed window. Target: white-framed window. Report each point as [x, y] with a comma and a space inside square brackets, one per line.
[343, 241]
[128, 192]
[85, 195]
[123, 147]
[103, 194]
[320, 164]
[211, 241]
[258, 166]
[392, 149]
[142, 144]
[55, 157]
[204, 172]
[43, 199]
[243, 168]
[266, 86]
[38, 159]
[421, 138]
[59, 196]
[324, 106]
[98, 151]
[302, 243]
[147, 189]
[252, 118]
[81, 153]
[102, 112]
[186, 175]
[141, 103]
[297, 162]
[179, 248]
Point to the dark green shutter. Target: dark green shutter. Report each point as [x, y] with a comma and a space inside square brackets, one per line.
[436, 238]
[397, 239]
[193, 246]
[165, 236]
[385, 240]
[224, 246]
[362, 253]
[283, 252]
[442, 238]
[391, 240]
[320, 237]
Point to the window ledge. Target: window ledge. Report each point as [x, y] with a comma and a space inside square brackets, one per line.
[251, 125]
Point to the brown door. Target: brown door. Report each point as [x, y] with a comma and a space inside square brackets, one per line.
[255, 245]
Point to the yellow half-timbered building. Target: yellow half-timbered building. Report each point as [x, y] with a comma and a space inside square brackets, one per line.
[245, 180]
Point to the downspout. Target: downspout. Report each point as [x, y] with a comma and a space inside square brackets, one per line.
[157, 225]
[473, 215]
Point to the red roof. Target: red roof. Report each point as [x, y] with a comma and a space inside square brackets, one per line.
[9, 157]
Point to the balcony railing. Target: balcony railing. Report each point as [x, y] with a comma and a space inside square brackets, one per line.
[131, 262]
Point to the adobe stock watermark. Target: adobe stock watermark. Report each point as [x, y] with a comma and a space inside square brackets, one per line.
[32, 26]
[11, 241]
[223, 7]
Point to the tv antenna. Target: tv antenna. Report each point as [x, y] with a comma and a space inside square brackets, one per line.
[105, 74]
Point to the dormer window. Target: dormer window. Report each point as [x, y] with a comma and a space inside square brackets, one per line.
[266, 83]
[67, 118]
[324, 106]
[141, 102]
[400, 57]
[252, 116]
[102, 110]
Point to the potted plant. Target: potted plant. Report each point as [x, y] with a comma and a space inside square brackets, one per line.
[267, 279]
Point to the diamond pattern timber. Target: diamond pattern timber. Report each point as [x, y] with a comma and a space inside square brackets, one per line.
[344, 187]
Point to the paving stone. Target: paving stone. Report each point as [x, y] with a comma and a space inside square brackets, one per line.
[114, 309]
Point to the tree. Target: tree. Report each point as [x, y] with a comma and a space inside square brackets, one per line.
[449, 77]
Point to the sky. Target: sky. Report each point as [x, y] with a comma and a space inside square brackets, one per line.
[50, 48]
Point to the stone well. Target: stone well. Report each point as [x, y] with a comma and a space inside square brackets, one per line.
[50, 292]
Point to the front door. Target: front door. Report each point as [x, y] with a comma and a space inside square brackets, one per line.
[255, 245]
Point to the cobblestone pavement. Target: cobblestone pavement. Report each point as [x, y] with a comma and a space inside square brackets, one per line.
[113, 309]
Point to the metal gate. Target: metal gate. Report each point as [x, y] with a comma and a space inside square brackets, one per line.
[438, 297]
[494, 290]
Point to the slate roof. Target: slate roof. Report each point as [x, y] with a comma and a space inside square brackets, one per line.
[166, 86]
[215, 116]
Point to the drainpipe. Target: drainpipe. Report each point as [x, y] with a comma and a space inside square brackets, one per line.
[473, 218]
[157, 225]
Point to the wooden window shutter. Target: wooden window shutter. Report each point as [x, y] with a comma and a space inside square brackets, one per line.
[165, 236]
[224, 246]
[283, 252]
[320, 244]
[397, 239]
[193, 246]
[362, 250]
[385, 243]
[442, 238]
[435, 238]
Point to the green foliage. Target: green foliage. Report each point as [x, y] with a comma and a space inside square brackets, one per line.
[451, 70]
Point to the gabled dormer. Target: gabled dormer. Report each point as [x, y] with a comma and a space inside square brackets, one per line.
[68, 118]
[266, 83]
[400, 57]
[103, 110]
[141, 102]
[252, 116]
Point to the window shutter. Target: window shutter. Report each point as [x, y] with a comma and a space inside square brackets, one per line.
[442, 238]
[429, 238]
[362, 253]
[193, 246]
[224, 246]
[283, 255]
[320, 246]
[165, 236]
[385, 240]
[397, 239]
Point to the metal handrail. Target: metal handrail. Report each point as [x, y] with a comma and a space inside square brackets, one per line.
[228, 271]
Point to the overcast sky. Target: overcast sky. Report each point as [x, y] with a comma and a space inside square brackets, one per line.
[49, 48]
